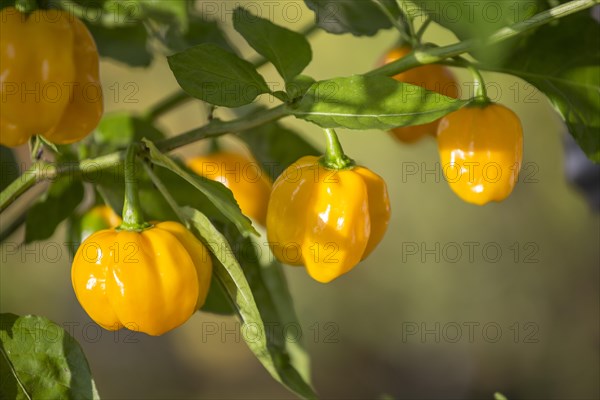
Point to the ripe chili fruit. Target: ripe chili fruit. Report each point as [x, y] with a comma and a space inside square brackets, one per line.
[98, 218]
[481, 150]
[250, 185]
[49, 77]
[433, 77]
[326, 219]
[150, 281]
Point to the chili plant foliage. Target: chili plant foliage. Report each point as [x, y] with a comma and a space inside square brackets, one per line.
[45, 43]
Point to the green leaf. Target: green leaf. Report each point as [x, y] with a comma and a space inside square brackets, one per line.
[276, 147]
[126, 44]
[371, 102]
[360, 18]
[567, 71]
[269, 347]
[55, 206]
[288, 51]
[39, 360]
[9, 169]
[216, 192]
[217, 76]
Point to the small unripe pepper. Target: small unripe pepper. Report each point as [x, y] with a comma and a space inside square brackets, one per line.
[98, 218]
[481, 150]
[433, 77]
[325, 218]
[49, 77]
[145, 277]
[249, 184]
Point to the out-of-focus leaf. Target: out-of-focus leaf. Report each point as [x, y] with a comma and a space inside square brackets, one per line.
[217, 76]
[55, 206]
[371, 102]
[126, 44]
[288, 51]
[117, 130]
[6, 3]
[39, 360]
[9, 169]
[360, 18]
[276, 147]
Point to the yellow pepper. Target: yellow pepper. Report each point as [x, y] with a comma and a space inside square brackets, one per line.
[49, 77]
[150, 281]
[433, 77]
[481, 150]
[249, 184]
[328, 220]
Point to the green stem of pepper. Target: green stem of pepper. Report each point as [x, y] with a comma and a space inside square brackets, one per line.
[481, 98]
[334, 157]
[133, 219]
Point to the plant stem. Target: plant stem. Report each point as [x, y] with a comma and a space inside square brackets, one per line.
[217, 128]
[12, 227]
[434, 55]
[165, 193]
[133, 219]
[334, 157]
[423, 28]
[39, 171]
[403, 29]
[480, 93]
[167, 104]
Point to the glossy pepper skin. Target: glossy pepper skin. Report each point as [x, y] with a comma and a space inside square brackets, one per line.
[49, 77]
[98, 218]
[433, 77]
[324, 219]
[481, 150]
[150, 281]
[250, 185]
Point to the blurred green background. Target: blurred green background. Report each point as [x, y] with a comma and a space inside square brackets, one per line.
[519, 315]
